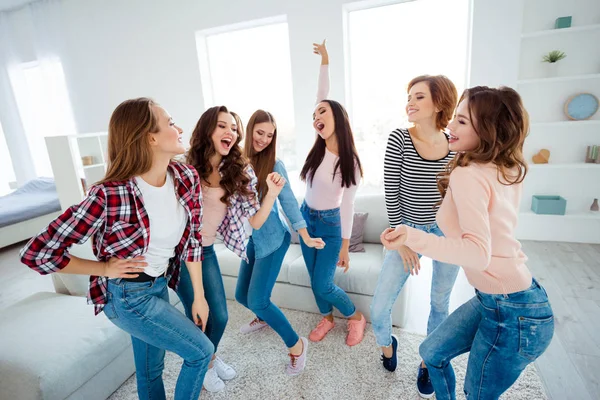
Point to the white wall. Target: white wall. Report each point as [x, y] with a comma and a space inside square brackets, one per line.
[117, 50]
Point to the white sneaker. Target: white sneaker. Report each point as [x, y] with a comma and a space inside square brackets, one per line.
[212, 382]
[253, 326]
[224, 371]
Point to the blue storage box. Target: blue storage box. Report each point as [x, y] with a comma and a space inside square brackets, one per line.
[553, 205]
[562, 22]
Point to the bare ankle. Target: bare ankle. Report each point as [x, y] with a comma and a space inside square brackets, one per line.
[387, 351]
[357, 316]
[329, 317]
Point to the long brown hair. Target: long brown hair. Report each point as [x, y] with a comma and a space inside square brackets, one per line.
[443, 95]
[129, 152]
[348, 154]
[502, 124]
[233, 169]
[263, 162]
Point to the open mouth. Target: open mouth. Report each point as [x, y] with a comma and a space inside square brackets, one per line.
[226, 142]
[180, 139]
[320, 126]
[452, 138]
[412, 111]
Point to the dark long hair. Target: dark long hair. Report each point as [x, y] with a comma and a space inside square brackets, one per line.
[348, 155]
[263, 162]
[234, 179]
[502, 124]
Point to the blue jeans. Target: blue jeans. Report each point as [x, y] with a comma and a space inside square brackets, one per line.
[504, 333]
[391, 281]
[142, 309]
[321, 264]
[255, 284]
[214, 292]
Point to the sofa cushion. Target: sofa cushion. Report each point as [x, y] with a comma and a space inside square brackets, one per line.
[230, 263]
[358, 231]
[52, 344]
[361, 278]
[374, 204]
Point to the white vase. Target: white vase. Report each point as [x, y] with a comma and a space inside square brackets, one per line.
[551, 70]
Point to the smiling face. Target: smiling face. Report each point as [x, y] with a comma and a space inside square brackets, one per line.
[461, 128]
[168, 139]
[420, 106]
[225, 134]
[262, 136]
[323, 120]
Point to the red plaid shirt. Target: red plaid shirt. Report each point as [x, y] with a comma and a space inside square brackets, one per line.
[113, 215]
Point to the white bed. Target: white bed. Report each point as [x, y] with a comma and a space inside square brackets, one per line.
[25, 212]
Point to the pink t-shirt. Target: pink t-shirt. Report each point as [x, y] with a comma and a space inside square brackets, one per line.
[478, 217]
[213, 213]
[327, 192]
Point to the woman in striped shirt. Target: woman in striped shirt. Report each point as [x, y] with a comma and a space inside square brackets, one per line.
[413, 159]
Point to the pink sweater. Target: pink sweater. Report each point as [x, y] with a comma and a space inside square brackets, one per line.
[478, 217]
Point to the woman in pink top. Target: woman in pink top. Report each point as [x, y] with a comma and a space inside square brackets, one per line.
[229, 198]
[509, 323]
[332, 172]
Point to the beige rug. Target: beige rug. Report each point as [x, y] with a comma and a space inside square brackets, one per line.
[334, 370]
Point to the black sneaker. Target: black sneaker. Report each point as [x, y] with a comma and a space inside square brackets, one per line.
[391, 363]
[424, 385]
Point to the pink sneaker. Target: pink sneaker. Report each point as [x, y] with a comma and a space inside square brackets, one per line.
[323, 327]
[253, 326]
[297, 363]
[356, 331]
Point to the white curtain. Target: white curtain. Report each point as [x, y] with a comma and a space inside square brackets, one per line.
[33, 95]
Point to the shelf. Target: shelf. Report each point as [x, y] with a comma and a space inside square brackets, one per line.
[558, 79]
[93, 166]
[565, 123]
[565, 165]
[550, 32]
[569, 215]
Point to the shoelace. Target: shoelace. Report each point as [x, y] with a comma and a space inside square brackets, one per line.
[293, 360]
[255, 321]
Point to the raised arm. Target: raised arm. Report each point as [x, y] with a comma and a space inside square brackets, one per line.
[323, 88]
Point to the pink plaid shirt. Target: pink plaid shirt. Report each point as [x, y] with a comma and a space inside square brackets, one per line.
[113, 215]
[232, 228]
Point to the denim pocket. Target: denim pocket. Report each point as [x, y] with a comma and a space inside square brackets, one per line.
[135, 287]
[331, 220]
[535, 335]
[109, 307]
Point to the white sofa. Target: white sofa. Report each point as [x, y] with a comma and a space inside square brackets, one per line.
[52, 346]
[292, 288]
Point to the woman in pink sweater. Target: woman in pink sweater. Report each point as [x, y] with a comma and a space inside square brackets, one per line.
[509, 323]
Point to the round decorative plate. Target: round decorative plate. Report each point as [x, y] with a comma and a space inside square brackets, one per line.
[581, 106]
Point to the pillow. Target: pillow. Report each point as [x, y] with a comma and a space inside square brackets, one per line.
[356, 239]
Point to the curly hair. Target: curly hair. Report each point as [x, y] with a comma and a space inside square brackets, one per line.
[234, 179]
[502, 124]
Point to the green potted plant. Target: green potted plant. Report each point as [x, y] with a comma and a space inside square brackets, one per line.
[551, 59]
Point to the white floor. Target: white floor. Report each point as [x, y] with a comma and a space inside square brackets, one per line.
[569, 272]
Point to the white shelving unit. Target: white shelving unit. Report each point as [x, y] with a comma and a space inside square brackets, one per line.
[71, 176]
[567, 174]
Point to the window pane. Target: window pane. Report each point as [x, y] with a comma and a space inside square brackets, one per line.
[43, 102]
[389, 46]
[245, 80]
[7, 174]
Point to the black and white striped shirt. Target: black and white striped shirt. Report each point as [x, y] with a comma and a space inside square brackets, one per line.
[410, 181]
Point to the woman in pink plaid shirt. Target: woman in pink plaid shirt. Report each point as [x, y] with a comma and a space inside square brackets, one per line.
[229, 197]
[143, 189]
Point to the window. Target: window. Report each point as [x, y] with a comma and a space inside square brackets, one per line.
[247, 67]
[8, 174]
[43, 101]
[388, 46]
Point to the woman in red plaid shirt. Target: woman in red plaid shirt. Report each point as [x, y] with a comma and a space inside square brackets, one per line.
[229, 197]
[143, 219]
